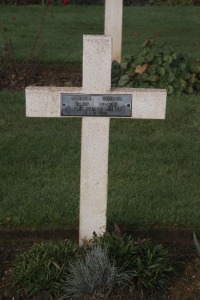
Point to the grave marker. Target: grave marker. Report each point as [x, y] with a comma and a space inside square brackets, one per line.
[95, 102]
[113, 25]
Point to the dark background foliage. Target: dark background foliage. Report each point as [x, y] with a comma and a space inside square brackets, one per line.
[101, 2]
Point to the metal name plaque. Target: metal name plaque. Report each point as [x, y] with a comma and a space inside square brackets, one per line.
[96, 105]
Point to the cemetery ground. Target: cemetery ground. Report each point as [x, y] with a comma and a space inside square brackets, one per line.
[154, 166]
[152, 194]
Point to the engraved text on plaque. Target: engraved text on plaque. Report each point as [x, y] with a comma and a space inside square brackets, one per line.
[96, 105]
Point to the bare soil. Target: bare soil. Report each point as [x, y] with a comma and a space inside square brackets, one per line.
[179, 241]
[42, 75]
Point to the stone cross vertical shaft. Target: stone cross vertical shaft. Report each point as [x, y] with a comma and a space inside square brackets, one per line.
[48, 102]
[113, 25]
[95, 138]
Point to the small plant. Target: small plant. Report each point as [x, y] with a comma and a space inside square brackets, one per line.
[158, 66]
[12, 71]
[153, 268]
[44, 268]
[120, 248]
[95, 276]
[150, 263]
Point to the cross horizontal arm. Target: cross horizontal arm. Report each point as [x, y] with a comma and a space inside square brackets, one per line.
[46, 101]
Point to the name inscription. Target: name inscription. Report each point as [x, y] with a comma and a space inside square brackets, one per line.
[96, 105]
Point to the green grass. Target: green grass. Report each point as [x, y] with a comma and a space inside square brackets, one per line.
[62, 35]
[39, 166]
[154, 167]
[156, 176]
[176, 26]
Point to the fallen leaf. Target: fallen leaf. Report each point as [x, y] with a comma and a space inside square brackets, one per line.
[56, 265]
[141, 69]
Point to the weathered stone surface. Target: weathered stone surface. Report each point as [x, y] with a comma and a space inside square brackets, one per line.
[46, 101]
[113, 25]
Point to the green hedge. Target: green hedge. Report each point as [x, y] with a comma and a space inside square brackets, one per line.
[158, 66]
[174, 2]
[101, 2]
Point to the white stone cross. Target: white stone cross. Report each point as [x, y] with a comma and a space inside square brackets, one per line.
[113, 25]
[47, 102]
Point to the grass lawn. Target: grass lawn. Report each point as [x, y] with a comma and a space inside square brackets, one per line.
[62, 35]
[154, 166]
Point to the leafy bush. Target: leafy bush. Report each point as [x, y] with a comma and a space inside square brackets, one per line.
[174, 2]
[153, 268]
[107, 265]
[44, 267]
[171, 2]
[87, 2]
[94, 276]
[158, 66]
[120, 248]
[150, 263]
[56, 2]
[101, 2]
